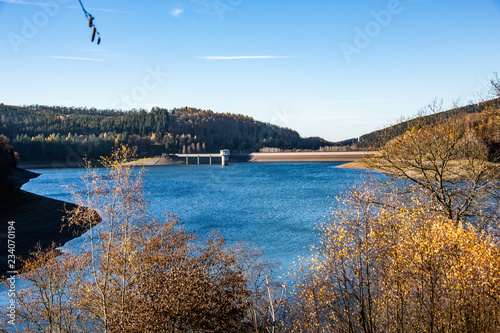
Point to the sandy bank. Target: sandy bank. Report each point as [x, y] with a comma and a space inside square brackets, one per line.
[360, 164]
[262, 157]
[309, 156]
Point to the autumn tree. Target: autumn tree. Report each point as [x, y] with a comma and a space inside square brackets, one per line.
[495, 85]
[48, 301]
[181, 286]
[267, 297]
[448, 163]
[416, 250]
[402, 269]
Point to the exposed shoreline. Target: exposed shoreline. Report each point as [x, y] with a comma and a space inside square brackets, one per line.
[359, 164]
[264, 157]
[309, 156]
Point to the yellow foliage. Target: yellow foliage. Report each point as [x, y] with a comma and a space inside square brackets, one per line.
[399, 270]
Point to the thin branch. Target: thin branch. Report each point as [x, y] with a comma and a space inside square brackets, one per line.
[91, 24]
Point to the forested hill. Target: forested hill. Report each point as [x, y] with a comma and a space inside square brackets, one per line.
[376, 140]
[43, 133]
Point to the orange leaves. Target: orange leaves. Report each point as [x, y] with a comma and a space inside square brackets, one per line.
[402, 269]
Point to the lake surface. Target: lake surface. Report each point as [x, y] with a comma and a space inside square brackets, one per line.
[273, 205]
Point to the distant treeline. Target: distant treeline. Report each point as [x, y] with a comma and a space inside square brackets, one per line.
[56, 133]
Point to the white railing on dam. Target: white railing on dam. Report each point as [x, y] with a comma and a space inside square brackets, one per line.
[223, 155]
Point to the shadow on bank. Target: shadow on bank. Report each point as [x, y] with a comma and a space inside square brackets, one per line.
[37, 220]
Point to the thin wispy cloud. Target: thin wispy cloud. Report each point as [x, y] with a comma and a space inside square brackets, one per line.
[176, 12]
[347, 101]
[111, 10]
[21, 2]
[47, 4]
[75, 58]
[242, 57]
[91, 9]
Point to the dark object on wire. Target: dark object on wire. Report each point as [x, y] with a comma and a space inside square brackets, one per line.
[91, 24]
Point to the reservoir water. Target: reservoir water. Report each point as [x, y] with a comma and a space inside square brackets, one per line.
[272, 205]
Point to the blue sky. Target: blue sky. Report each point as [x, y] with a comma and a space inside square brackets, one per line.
[336, 69]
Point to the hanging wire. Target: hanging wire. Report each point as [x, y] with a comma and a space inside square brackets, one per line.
[91, 24]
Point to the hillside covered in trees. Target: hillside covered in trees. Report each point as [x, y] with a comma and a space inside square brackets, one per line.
[484, 113]
[53, 133]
